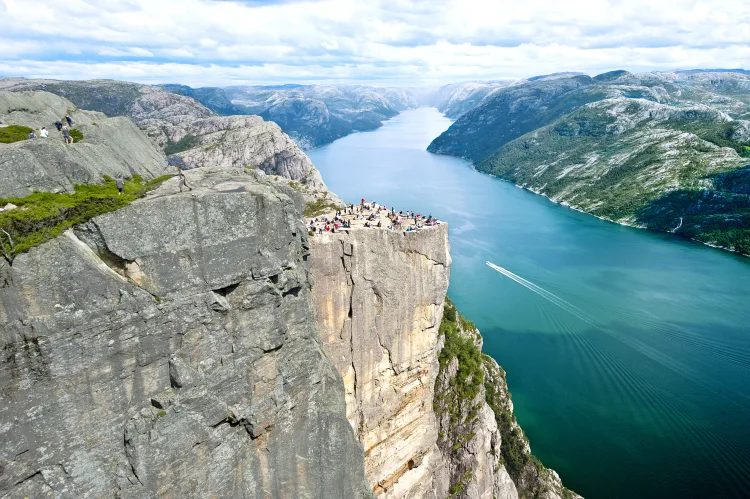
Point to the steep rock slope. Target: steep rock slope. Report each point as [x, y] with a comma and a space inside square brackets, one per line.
[110, 146]
[174, 356]
[239, 141]
[643, 149]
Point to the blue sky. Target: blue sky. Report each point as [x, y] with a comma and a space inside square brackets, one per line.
[394, 42]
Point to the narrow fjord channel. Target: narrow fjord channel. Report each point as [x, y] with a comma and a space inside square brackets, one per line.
[634, 380]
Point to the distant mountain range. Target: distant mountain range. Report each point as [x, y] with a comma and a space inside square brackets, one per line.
[665, 151]
[312, 115]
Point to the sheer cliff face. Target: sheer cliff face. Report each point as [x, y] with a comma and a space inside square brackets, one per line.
[379, 301]
[169, 349]
[379, 297]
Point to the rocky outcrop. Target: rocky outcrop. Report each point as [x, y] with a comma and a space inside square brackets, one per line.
[485, 451]
[378, 297]
[110, 146]
[238, 141]
[190, 133]
[172, 352]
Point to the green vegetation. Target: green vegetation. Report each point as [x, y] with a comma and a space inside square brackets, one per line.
[600, 145]
[456, 397]
[624, 175]
[161, 413]
[464, 387]
[514, 450]
[14, 133]
[319, 207]
[185, 143]
[44, 215]
[76, 135]
[457, 488]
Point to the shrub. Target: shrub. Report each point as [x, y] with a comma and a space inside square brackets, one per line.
[318, 207]
[42, 216]
[185, 143]
[14, 133]
[76, 135]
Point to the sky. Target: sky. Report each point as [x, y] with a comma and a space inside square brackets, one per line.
[393, 42]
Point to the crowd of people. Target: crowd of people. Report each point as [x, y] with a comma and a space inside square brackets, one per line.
[371, 215]
[63, 126]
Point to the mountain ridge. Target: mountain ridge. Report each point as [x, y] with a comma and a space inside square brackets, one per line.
[637, 149]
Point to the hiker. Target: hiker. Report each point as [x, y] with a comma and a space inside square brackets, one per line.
[58, 125]
[183, 179]
[69, 120]
[43, 133]
[119, 184]
[66, 135]
[32, 135]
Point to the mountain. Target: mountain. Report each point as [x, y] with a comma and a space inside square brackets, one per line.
[209, 345]
[315, 115]
[312, 114]
[457, 99]
[189, 133]
[663, 151]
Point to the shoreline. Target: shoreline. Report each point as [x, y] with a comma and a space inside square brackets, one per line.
[624, 224]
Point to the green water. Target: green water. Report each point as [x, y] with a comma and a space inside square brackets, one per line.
[637, 383]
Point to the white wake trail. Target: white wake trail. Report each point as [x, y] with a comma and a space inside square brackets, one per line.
[633, 343]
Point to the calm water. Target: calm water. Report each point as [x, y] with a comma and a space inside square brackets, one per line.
[633, 378]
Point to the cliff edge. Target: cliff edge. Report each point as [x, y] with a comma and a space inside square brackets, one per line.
[172, 352]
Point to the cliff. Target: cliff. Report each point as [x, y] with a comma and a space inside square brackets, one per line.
[433, 414]
[194, 344]
[379, 296]
[172, 352]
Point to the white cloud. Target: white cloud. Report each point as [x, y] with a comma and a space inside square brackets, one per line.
[201, 42]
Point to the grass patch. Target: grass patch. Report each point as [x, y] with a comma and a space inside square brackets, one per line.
[319, 207]
[185, 143]
[14, 133]
[42, 216]
[76, 135]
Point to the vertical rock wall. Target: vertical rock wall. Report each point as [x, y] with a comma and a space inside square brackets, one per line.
[379, 297]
